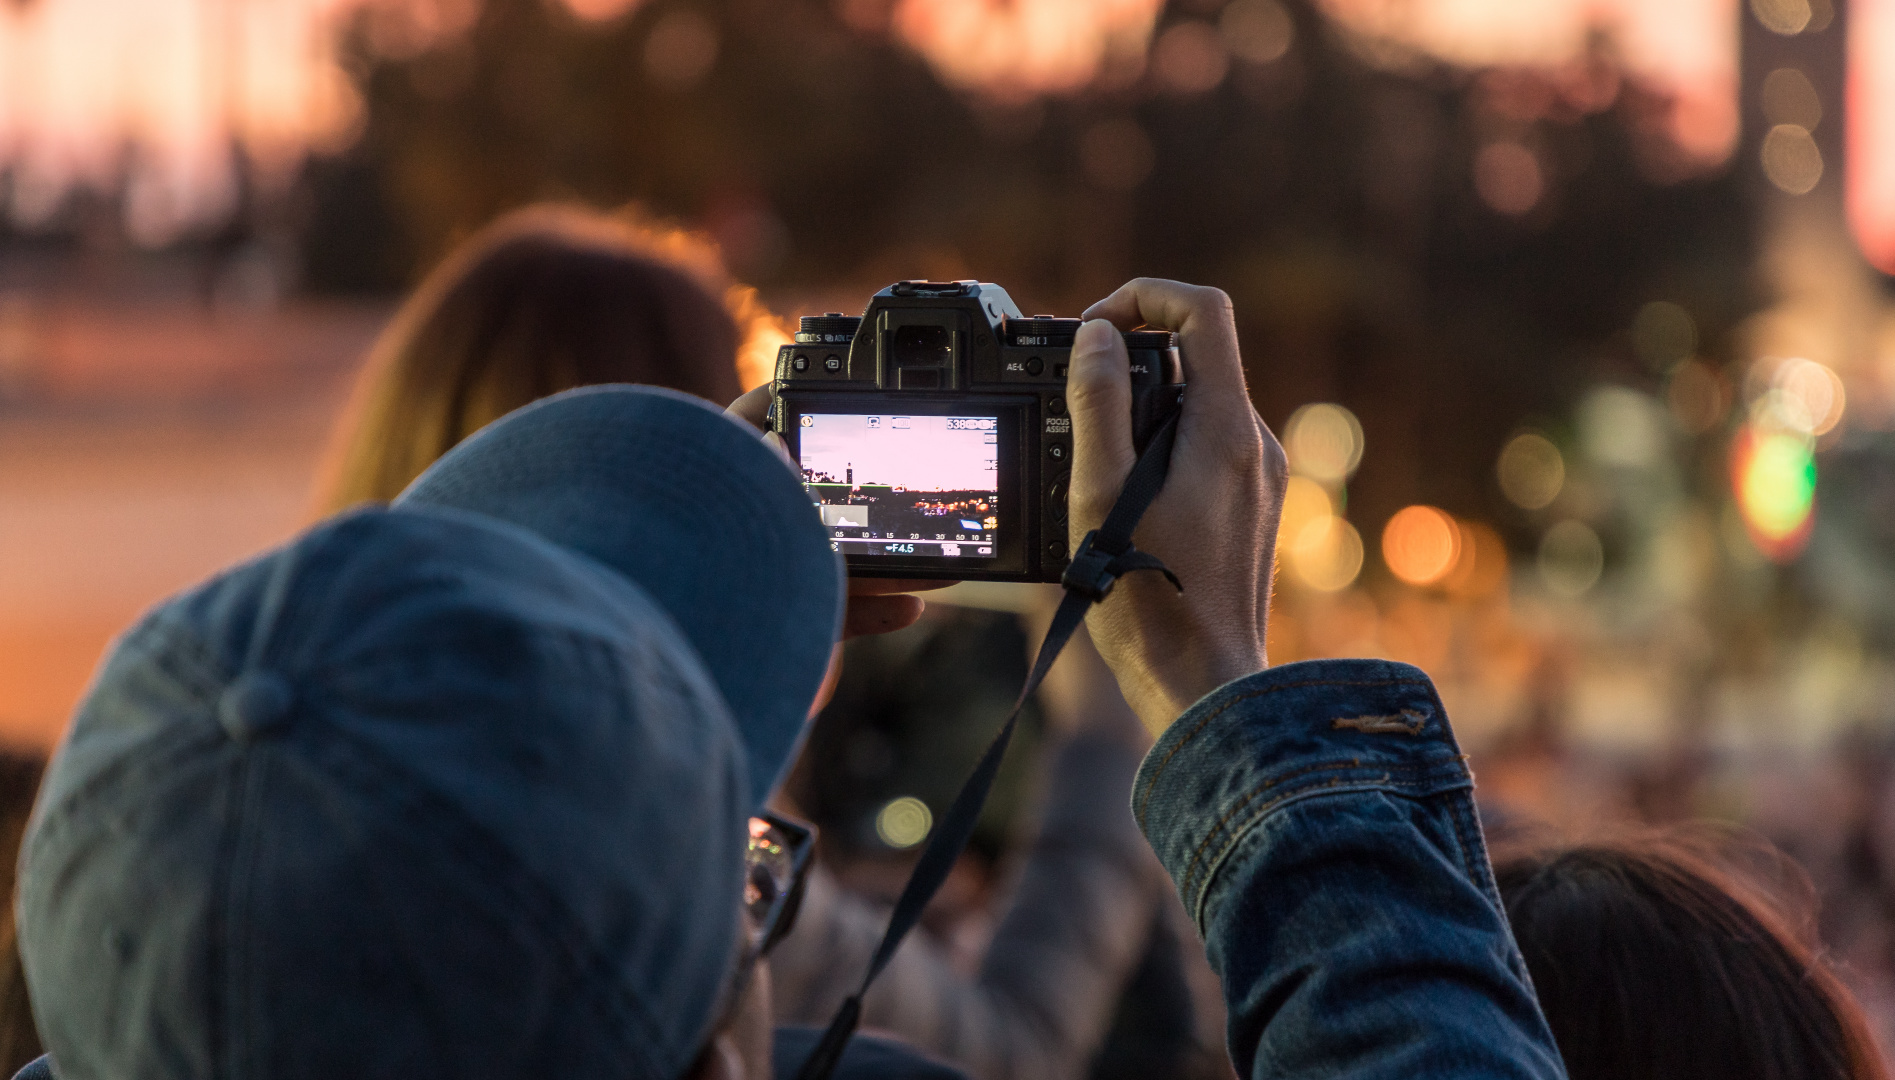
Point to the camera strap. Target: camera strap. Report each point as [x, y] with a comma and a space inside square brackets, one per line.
[1103, 557]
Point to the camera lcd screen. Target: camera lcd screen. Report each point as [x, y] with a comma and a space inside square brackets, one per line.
[904, 486]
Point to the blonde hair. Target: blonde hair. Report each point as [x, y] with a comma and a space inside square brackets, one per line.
[545, 299]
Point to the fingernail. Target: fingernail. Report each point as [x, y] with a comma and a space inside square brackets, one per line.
[1094, 336]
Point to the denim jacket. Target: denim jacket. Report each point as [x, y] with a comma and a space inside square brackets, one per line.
[1318, 822]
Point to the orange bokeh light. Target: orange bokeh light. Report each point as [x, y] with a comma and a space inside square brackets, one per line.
[1421, 545]
[1481, 568]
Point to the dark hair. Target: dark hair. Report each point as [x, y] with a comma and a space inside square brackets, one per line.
[544, 300]
[19, 783]
[1654, 962]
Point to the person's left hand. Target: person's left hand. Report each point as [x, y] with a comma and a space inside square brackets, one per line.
[876, 605]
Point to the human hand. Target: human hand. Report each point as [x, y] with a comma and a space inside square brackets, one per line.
[876, 605]
[1215, 521]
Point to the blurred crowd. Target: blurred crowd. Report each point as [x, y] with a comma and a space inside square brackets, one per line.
[1585, 393]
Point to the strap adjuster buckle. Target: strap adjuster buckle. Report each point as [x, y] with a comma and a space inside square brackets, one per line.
[1093, 571]
[1090, 574]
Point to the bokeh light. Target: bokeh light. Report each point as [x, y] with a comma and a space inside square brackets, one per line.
[1663, 333]
[1508, 177]
[1774, 476]
[1304, 501]
[681, 50]
[1621, 427]
[1571, 558]
[1788, 98]
[1421, 545]
[1323, 442]
[1785, 17]
[1481, 567]
[1698, 397]
[1189, 58]
[1816, 390]
[1791, 159]
[903, 822]
[1326, 554]
[600, 10]
[1531, 471]
[1259, 31]
[1016, 47]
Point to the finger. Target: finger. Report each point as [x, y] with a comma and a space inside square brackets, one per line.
[775, 442]
[828, 688]
[753, 408]
[859, 586]
[1207, 339]
[1099, 397]
[880, 614]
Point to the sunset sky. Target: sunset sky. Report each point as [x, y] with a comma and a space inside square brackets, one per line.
[78, 78]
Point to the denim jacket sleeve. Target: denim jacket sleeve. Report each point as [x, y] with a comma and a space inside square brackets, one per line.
[1318, 821]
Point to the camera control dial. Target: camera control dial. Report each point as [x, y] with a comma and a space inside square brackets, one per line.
[833, 328]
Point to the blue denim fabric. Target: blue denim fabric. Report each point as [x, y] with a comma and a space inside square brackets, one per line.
[1319, 823]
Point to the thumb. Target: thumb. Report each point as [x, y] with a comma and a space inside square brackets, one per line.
[1099, 396]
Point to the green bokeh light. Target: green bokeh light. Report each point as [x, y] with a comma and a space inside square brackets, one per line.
[1777, 485]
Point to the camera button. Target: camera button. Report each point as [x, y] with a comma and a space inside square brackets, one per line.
[1056, 406]
[801, 363]
[1035, 365]
[1057, 549]
[1056, 451]
[832, 363]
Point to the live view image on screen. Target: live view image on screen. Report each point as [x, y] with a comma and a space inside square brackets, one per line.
[904, 485]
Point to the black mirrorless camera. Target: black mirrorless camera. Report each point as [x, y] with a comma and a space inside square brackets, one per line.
[932, 431]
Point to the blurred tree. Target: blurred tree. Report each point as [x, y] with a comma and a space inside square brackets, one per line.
[1446, 252]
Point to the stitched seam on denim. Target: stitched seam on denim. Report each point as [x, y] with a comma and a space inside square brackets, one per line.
[1196, 901]
[1479, 864]
[1187, 879]
[1386, 777]
[1159, 769]
[1458, 835]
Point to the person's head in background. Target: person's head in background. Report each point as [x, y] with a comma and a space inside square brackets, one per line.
[1654, 962]
[545, 299]
[299, 829]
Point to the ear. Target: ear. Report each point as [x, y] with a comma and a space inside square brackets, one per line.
[721, 1060]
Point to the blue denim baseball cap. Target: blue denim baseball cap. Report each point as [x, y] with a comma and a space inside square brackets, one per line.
[695, 508]
[421, 794]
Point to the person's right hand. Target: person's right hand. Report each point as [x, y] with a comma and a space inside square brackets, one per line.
[1215, 521]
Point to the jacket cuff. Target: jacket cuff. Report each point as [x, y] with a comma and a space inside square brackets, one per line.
[1255, 746]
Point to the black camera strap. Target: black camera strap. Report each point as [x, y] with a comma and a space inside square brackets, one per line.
[1105, 555]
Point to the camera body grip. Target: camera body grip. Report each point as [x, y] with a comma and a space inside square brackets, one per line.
[932, 431]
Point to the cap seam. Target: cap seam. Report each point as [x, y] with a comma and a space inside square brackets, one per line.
[491, 855]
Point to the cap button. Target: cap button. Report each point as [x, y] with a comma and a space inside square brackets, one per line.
[256, 704]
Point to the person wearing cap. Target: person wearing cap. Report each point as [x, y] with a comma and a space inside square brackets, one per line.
[550, 298]
[468, 786]
[465, 786]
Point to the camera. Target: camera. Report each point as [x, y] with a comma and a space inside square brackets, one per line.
[932, 431]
